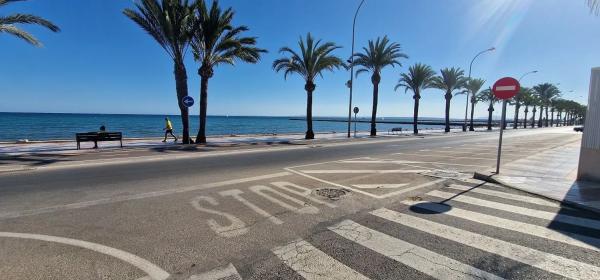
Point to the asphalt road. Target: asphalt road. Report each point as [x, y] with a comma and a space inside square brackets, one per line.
[402, 208]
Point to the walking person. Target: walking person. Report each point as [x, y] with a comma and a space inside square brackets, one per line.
[169, 130]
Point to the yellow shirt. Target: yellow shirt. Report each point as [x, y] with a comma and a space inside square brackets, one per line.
[169, 125]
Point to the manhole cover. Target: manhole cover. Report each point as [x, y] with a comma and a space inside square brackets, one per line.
[333, 194]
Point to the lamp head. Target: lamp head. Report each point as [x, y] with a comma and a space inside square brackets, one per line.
[492, 49]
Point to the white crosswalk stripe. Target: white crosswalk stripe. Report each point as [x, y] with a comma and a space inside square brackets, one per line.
[535, 230]
[503, 194]
[421, 259]
[551, 216]
[312, 264]
[548, 262]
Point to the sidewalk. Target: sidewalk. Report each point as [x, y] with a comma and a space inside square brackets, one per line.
[551, 174]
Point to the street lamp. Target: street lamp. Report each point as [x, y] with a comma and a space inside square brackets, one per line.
[350, 82]
[531, 72]
[468, 92]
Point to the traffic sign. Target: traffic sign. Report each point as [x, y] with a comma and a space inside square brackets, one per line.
[187, 101]
[506, 88]
[356, 110]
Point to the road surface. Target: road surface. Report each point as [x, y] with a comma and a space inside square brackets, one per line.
[399, 208]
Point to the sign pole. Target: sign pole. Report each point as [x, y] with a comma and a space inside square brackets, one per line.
[501, 133]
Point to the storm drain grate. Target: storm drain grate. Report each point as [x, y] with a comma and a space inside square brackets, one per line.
[332, 194]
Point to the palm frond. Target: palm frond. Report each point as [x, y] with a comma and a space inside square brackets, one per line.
[28, 19]
[594, 6]
[19, 33]
[418, 78]
[378, 55]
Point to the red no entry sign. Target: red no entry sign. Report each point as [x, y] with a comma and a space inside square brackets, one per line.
[506, 88]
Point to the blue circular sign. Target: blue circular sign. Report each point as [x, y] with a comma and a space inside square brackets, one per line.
[188, 101]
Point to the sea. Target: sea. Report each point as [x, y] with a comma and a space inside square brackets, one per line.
[63, 126]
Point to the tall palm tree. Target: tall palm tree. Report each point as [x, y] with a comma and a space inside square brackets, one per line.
[489, 96]
[527, 100]
[473, 86]
[216, 41]
[546, 92]
[168, 22]
[9, 24]
[451, 80]
[517, 101]
[536, 103]
[378, 55]
[419, 77]
[310, 61]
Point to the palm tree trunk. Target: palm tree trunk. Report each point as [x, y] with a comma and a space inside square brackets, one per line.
[490, 111]
[533, 119]
[540, 119]
[416, 97]
[309, 87]
[182, 91]
[552, 119]
[546, 121]
[516, 118]
[375, 79]
[448, 98]
[471, 126]
[525, 118]
[201, 139]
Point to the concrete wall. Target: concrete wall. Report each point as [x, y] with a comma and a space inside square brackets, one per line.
[589, 160]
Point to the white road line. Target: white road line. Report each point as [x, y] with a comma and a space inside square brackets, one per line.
[545, 215]
[535, 230]
[235, 193]
[305, 208]
[358, 171]
[228, 272]
[424, 155]
[89, 203]
[507, 195]
[365, 192]
[542, 260]
[312, 264]
[380, 186]
[407, 162]
[304, 192]
[421, 259]
[149, 268]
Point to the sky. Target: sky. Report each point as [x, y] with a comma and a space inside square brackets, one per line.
[102, 62]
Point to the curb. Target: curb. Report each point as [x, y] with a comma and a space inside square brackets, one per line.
[489, 177]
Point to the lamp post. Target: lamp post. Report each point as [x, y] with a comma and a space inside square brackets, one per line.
[531, 72]
[350, 82]
[468, 92]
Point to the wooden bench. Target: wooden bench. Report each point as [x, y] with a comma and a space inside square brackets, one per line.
[395, 129]
[97, 137]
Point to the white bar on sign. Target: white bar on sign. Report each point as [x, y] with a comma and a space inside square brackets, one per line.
[503, 88]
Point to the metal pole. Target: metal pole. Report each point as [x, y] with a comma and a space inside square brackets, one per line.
[501, 132]
[355, 125]
[468, 92]
[352, 68]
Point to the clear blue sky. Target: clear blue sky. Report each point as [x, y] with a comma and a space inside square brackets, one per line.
[102, 62]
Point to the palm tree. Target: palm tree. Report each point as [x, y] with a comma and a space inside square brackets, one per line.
[418, 78]
[311, 61]
[535, 102]
[452, 79]
[473, 86]
[594, 6]
[517, 101]
[527, 100]
[9, 24]
[216, 41]
[378, 55]
[168, 23]
[489, 96]
[546, 92]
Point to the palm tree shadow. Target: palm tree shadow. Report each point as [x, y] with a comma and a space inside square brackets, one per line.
[34, 159]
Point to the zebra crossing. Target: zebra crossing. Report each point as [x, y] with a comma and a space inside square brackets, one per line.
[461, 232]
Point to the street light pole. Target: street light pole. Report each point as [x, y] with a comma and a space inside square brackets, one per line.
[468, 92]
[523, 76]
[351, 82]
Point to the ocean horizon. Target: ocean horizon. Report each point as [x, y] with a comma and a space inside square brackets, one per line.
[63, 126]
